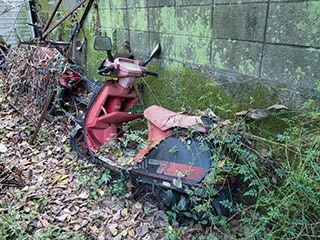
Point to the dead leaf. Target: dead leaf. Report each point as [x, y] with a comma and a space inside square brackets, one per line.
[99, 192]
[101, 236]
[277, 107]
[124, 212]
[258, 114]
[221, 163]
[83, 195]
[195, 228]
[177, 182]
[141, 231]
[3, 148]
[63, 217]
[138, 205]
[43, 221]
[113, 229]
[225, 122]
[24, 162]
[124, 233]
[132, 233]
[242, 113]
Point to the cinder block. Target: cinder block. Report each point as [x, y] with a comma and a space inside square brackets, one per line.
[160, 3]
[118, 4]
[240, 21]
[294, 23]
[139, 43]
[237, 56]
[192, 2]
[167, 44]
[119, 36]
[66, 4]
[193, 50]
[163, 20]
[238, 1]
[106, 19]
[138, 19]
[119, 18]
[291, 1]
[292, 67]
[102, 4]
[194, 21]
[137, 3]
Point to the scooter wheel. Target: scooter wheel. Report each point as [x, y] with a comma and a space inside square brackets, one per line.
[79, 146]
[218, 207]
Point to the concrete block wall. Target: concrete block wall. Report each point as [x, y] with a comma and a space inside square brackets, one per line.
[276, 42]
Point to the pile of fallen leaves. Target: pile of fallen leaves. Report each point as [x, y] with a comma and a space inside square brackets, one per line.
[46, 191]
[31, 77]
[60, 193]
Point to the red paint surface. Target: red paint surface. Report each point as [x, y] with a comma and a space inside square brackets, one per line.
[178, 169]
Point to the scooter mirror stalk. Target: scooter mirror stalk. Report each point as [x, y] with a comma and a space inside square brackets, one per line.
[155, 52]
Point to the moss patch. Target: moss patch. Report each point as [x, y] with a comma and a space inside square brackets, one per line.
[179, 86]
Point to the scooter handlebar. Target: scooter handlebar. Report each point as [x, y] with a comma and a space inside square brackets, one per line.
[104, 70]
[150, 73]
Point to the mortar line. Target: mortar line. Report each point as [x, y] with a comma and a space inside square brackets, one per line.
[128, 23]
[211, 27]
[270, 43]
[149, 32]
[110, 16]
[242, 40]
[272, 1]
[294, 45]
[264, 39]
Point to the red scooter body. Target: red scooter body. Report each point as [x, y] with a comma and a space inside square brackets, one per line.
[171, 173]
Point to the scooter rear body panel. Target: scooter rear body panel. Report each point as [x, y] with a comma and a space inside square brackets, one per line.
[174, 158]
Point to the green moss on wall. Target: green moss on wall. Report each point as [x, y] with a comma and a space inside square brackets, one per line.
[195, 35]
[168, 20]
[179, 86]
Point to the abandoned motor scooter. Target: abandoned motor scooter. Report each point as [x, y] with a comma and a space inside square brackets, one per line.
[176, 157]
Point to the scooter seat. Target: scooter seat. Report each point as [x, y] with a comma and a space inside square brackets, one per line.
[165, 119]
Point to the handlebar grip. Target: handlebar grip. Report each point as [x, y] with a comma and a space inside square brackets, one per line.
[104, 70]
[152, 73]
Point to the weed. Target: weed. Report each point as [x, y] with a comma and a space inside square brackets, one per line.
[118, 187]
[14, 224]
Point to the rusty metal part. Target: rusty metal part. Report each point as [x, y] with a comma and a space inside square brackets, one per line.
[46, 43]
[56, 7]
[42, 117]
[21, 113]
[64, 17]
[97, 24]
[84, 15]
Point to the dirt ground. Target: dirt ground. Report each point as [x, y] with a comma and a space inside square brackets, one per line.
[47, 191]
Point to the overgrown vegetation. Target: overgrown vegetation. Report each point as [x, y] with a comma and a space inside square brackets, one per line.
[280, 173]
[281, 191]
[277, 160]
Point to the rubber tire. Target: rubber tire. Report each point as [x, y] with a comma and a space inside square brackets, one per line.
[76, 142]
[218, 207]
